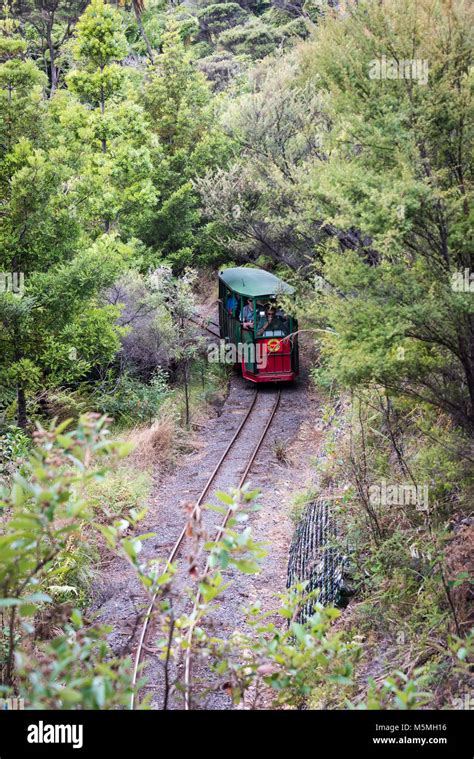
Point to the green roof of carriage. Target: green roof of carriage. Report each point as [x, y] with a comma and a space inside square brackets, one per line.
[254, 282]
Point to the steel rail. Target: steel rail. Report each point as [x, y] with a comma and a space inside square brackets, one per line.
[176, 546]
[187, 669]
[209, 321]
[200, 321]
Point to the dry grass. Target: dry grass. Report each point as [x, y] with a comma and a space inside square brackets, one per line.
[280, 449]
[460, 560]
[154, 445]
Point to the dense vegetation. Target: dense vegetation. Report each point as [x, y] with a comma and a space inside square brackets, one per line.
[141, 144]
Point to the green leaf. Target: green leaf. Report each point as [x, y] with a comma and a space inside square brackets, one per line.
[247, 566]
[17, 495]
[35, 597]
[98, 689]
[225, 497]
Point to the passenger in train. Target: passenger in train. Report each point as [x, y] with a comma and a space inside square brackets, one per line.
[247, 314]
[231, 304]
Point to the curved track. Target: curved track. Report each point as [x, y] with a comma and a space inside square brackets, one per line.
[244, 425]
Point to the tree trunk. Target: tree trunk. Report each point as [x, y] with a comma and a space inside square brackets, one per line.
[186, 392]
[53, 71]
[143, 33]
[102, 110]
[21, 407]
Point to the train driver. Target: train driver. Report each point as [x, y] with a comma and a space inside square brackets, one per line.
[271, 322]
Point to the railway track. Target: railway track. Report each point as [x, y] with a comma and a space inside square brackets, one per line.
[262, 429]
[205, 324]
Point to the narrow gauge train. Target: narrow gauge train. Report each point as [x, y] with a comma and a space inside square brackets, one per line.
[264, 339]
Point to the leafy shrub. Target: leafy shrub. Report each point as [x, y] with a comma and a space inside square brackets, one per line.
[60, 404]
[220, 69]
[132, 402]
[145, 339]
[253, 39]
[14, 444]
[294, 30]
[7, 405]
[216, 18]
[75, 671]
[48, 514]
[399, 691]
[119, 490]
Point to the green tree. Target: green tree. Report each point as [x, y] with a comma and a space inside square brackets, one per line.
[254, 39]
[257, 206]
[21, 89]
[57, 332]
[116, 179]
[139, 9]
[59, 189]
[184, 119]
[48, 25]
[35, 228]
[186, 344]
[100, 44]
[176, 96]
[398, 167]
